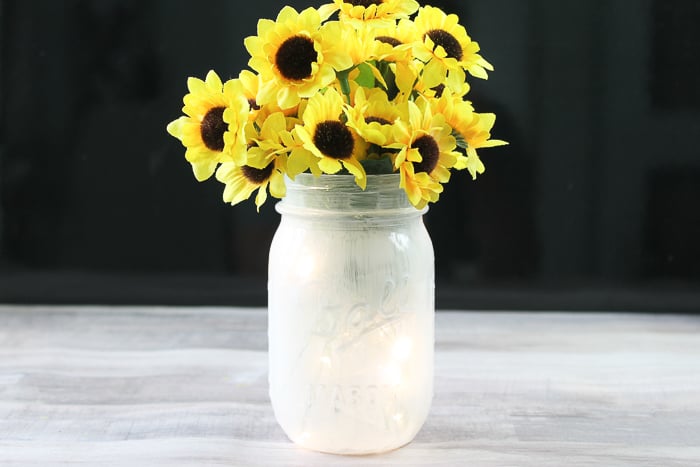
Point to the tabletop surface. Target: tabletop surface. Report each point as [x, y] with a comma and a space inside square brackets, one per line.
[188, 386]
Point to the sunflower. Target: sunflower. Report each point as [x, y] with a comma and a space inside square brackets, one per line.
[456, 87]
[363, 50]
[372, 115]
[250, 84]
[275, 140]
[420, 187]
[359, 44]
[458, 113]
[212, 129]
[398, 34]
[242, 180]
[327, 137]
[374, 11]
[294, 57]
[396, 46]
[446, 49]
[426, 151]
[472, 128]
[394, 57]
[477, 134]
[265, 165]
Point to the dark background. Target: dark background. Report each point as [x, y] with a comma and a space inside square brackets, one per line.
[595, 204]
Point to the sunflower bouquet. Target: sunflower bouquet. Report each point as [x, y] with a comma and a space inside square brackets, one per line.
[354, 87]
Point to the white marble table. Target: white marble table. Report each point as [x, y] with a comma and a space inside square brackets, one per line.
[188, 387]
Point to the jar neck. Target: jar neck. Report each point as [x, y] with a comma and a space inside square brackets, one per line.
[339, 195]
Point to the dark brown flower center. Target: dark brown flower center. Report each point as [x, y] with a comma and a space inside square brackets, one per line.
[364, 3]
[447, 41]
[295, 57]
[392, 41]
[429, 151]
[334, 139]
[258, 176]
[379, 120]
[212, 129]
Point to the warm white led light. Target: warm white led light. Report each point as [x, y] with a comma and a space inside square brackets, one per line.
[392, 374]
[305, 267]
[401, 349]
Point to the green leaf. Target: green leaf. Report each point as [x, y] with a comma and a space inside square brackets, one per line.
[365, 78]
[377, 166]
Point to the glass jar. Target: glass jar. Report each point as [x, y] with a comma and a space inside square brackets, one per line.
[351, 315]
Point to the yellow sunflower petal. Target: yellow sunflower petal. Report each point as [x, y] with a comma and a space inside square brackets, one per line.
[213, 81]
[474, 164]
[278, 188]
[298, 161]
[329, 166]
[412, 190]
[261, 197]
[203, 169]
[175, 128]
[354, 167]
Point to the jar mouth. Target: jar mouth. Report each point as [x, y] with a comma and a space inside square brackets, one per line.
[338, 195]
[383, 182]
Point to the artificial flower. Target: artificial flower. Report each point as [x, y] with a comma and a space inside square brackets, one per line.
[276, 141]
[242, 180]
[211, 130]
[446, 49]
[380, 89]
[476, 133]
[425, 145]
[370, 11]
[294, 57]
[264, 168]
[326, 136]
[372, 116]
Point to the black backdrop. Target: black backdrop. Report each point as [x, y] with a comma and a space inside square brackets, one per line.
[594, 205]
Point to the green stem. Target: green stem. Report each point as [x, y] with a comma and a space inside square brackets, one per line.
[343, 79]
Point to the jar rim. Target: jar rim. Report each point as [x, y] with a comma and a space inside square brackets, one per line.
[339, 195]
[334, 181]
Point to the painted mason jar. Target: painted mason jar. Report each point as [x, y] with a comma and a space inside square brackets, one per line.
[351, 315]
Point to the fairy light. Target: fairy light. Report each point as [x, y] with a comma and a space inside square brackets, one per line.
[401, 349]
[306, 266]
[392, 374]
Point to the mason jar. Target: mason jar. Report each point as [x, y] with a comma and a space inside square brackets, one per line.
[351, 315]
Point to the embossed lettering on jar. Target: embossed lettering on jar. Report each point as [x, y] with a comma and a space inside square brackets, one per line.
[351, 313]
